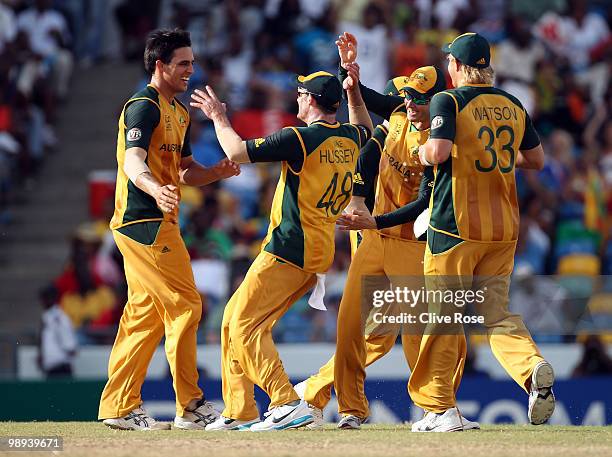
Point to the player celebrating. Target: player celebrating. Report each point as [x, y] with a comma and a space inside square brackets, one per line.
[154, 157]
[318, 162]
[479, 134]
[402, 193]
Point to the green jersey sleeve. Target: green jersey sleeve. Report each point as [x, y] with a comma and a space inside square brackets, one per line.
[141, 117]
[283, 145]
[443, 117]
[411, 211]
[530, 137]
[186, 151]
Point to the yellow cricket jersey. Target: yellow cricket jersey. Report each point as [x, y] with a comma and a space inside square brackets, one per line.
[400, 172]
[149, 121]
[315, 185]
[474, 196]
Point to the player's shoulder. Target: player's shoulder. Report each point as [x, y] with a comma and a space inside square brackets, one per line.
[465, 94]
[146, 94]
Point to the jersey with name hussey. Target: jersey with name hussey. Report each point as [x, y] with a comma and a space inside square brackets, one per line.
[161, 128]
[316, 183]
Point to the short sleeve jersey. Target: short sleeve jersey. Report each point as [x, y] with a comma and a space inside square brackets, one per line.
[161, 128]
[315, 185]
[474, 195]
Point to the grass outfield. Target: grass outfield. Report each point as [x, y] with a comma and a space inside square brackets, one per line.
[94, 439]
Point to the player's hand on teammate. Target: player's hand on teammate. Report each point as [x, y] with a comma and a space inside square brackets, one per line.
[422, 156]
[352, 80]
[226, 168]
[167, 198]
[208, 102]
[356, 220]
[347, 48]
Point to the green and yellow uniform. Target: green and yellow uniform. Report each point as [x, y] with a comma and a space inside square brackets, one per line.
[391, 252]
[315, 185]
[473, 231]
[367, 184]
[162, 297]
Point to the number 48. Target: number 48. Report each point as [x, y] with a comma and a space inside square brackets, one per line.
[330, 201]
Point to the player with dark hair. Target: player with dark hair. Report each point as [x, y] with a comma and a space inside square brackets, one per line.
[154, 157]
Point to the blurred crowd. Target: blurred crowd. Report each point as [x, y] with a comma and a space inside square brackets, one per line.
[554, 55]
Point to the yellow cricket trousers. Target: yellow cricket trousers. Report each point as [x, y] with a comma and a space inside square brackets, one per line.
[377, 256]
[248, 354]
[481, 266]
[162, 300]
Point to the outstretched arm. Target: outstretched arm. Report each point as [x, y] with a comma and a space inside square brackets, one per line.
[233, 146]
[358, 113]
[382, 105]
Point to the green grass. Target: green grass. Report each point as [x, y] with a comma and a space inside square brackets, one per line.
[94, 439]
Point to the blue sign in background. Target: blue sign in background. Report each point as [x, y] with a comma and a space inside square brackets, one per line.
[585, 401]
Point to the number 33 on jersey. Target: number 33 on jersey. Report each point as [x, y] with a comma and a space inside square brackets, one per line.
[474, 195]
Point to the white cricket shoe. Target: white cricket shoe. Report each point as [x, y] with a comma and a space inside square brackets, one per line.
[317, 413]
[198, 417]
[469, 425]
[137, 419]
[541, 397]
[350, 422]
[226, 423]
[285, 417]
[448, 421]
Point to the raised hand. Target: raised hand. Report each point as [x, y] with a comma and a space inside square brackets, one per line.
[347, 48]
[226, 168]
[208, 102]
[352, 81]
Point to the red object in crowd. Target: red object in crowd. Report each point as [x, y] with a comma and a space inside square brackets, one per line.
[252, 123]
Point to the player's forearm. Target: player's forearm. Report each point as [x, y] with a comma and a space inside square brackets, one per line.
[136, 169]
[435, 151]
[231, 143]
[358, 113]
[531, 159]
[379, 104]
[198, 175]
[147, 183]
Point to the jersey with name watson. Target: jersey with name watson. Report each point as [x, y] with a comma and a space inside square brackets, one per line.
[474, 195]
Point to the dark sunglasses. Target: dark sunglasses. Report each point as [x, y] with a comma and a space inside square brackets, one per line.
[421, 101]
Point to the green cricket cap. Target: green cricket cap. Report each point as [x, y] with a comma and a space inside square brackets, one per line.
[470, 49]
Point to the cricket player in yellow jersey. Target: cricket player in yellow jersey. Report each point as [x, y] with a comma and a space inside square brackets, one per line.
[374, 146]
[154, 157]
[389, 249]
[316, 183]
[479, 135]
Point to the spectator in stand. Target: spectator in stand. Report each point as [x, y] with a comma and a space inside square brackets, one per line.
[314, 46]
[202, 239]
[8, 29]
[49, 38]
[595, 359]
[374, 36]
[409, 52]
[574, 34]
[516, 60]
[58, 343]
